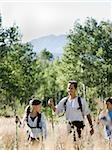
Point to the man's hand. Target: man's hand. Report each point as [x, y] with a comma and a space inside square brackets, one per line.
[92, 131]
[50, 102]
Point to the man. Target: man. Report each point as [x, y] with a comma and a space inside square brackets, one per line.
[106, 118]
[75, 109]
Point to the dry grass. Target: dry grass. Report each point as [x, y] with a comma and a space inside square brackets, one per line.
[57, 139]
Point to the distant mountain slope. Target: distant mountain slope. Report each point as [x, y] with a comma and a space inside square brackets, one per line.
[52, 43]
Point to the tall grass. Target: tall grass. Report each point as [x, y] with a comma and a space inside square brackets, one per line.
[57, 139]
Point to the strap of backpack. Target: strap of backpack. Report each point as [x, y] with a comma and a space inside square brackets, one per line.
[39, 120]
[65, 103]
[80, 105]
[27, 111]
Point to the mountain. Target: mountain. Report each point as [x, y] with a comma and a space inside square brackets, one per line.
[52, 43]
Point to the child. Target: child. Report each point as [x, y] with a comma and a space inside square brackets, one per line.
[35, 121]
[106, 118]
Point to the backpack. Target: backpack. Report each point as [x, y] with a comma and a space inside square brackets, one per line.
[38, 120]
[79, 102]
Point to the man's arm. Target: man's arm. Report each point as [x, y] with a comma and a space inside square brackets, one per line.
[90, 123]
[59, 108]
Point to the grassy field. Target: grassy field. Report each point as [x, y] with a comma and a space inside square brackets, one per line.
[57, 139]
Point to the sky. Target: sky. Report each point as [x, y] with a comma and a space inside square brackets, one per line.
[42, 18]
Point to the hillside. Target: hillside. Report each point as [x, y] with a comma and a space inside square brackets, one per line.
[52, 43]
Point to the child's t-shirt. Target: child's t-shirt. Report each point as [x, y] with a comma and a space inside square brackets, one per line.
[106, 119]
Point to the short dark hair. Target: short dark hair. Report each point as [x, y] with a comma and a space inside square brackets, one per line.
[74, 83]
[35, 102]
[109, 100]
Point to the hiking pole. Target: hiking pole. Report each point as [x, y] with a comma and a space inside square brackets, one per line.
[52, 119]
[50, 103]
[16, 136]
[42, 144]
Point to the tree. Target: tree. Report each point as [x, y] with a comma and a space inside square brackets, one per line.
[46, 55]
[45, 58]
[19, 69]
[87, 55]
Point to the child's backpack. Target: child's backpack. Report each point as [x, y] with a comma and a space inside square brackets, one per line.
[38, 120]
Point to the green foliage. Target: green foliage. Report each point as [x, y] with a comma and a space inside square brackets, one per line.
[88, 53]
[45, 55]
[19, 69]
[87, 58]
[6, 111]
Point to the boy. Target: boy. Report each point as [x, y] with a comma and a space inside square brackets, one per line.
[35, 121]
[106, 118]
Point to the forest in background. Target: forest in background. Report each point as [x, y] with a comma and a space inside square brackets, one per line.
[87, 58]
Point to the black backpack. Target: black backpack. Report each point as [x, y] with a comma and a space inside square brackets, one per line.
[79, 102]
[38, 120]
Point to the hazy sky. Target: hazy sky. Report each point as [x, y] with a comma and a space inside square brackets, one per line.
[36, 19]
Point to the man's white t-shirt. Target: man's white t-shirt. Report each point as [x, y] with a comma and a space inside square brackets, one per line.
[73, 113]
